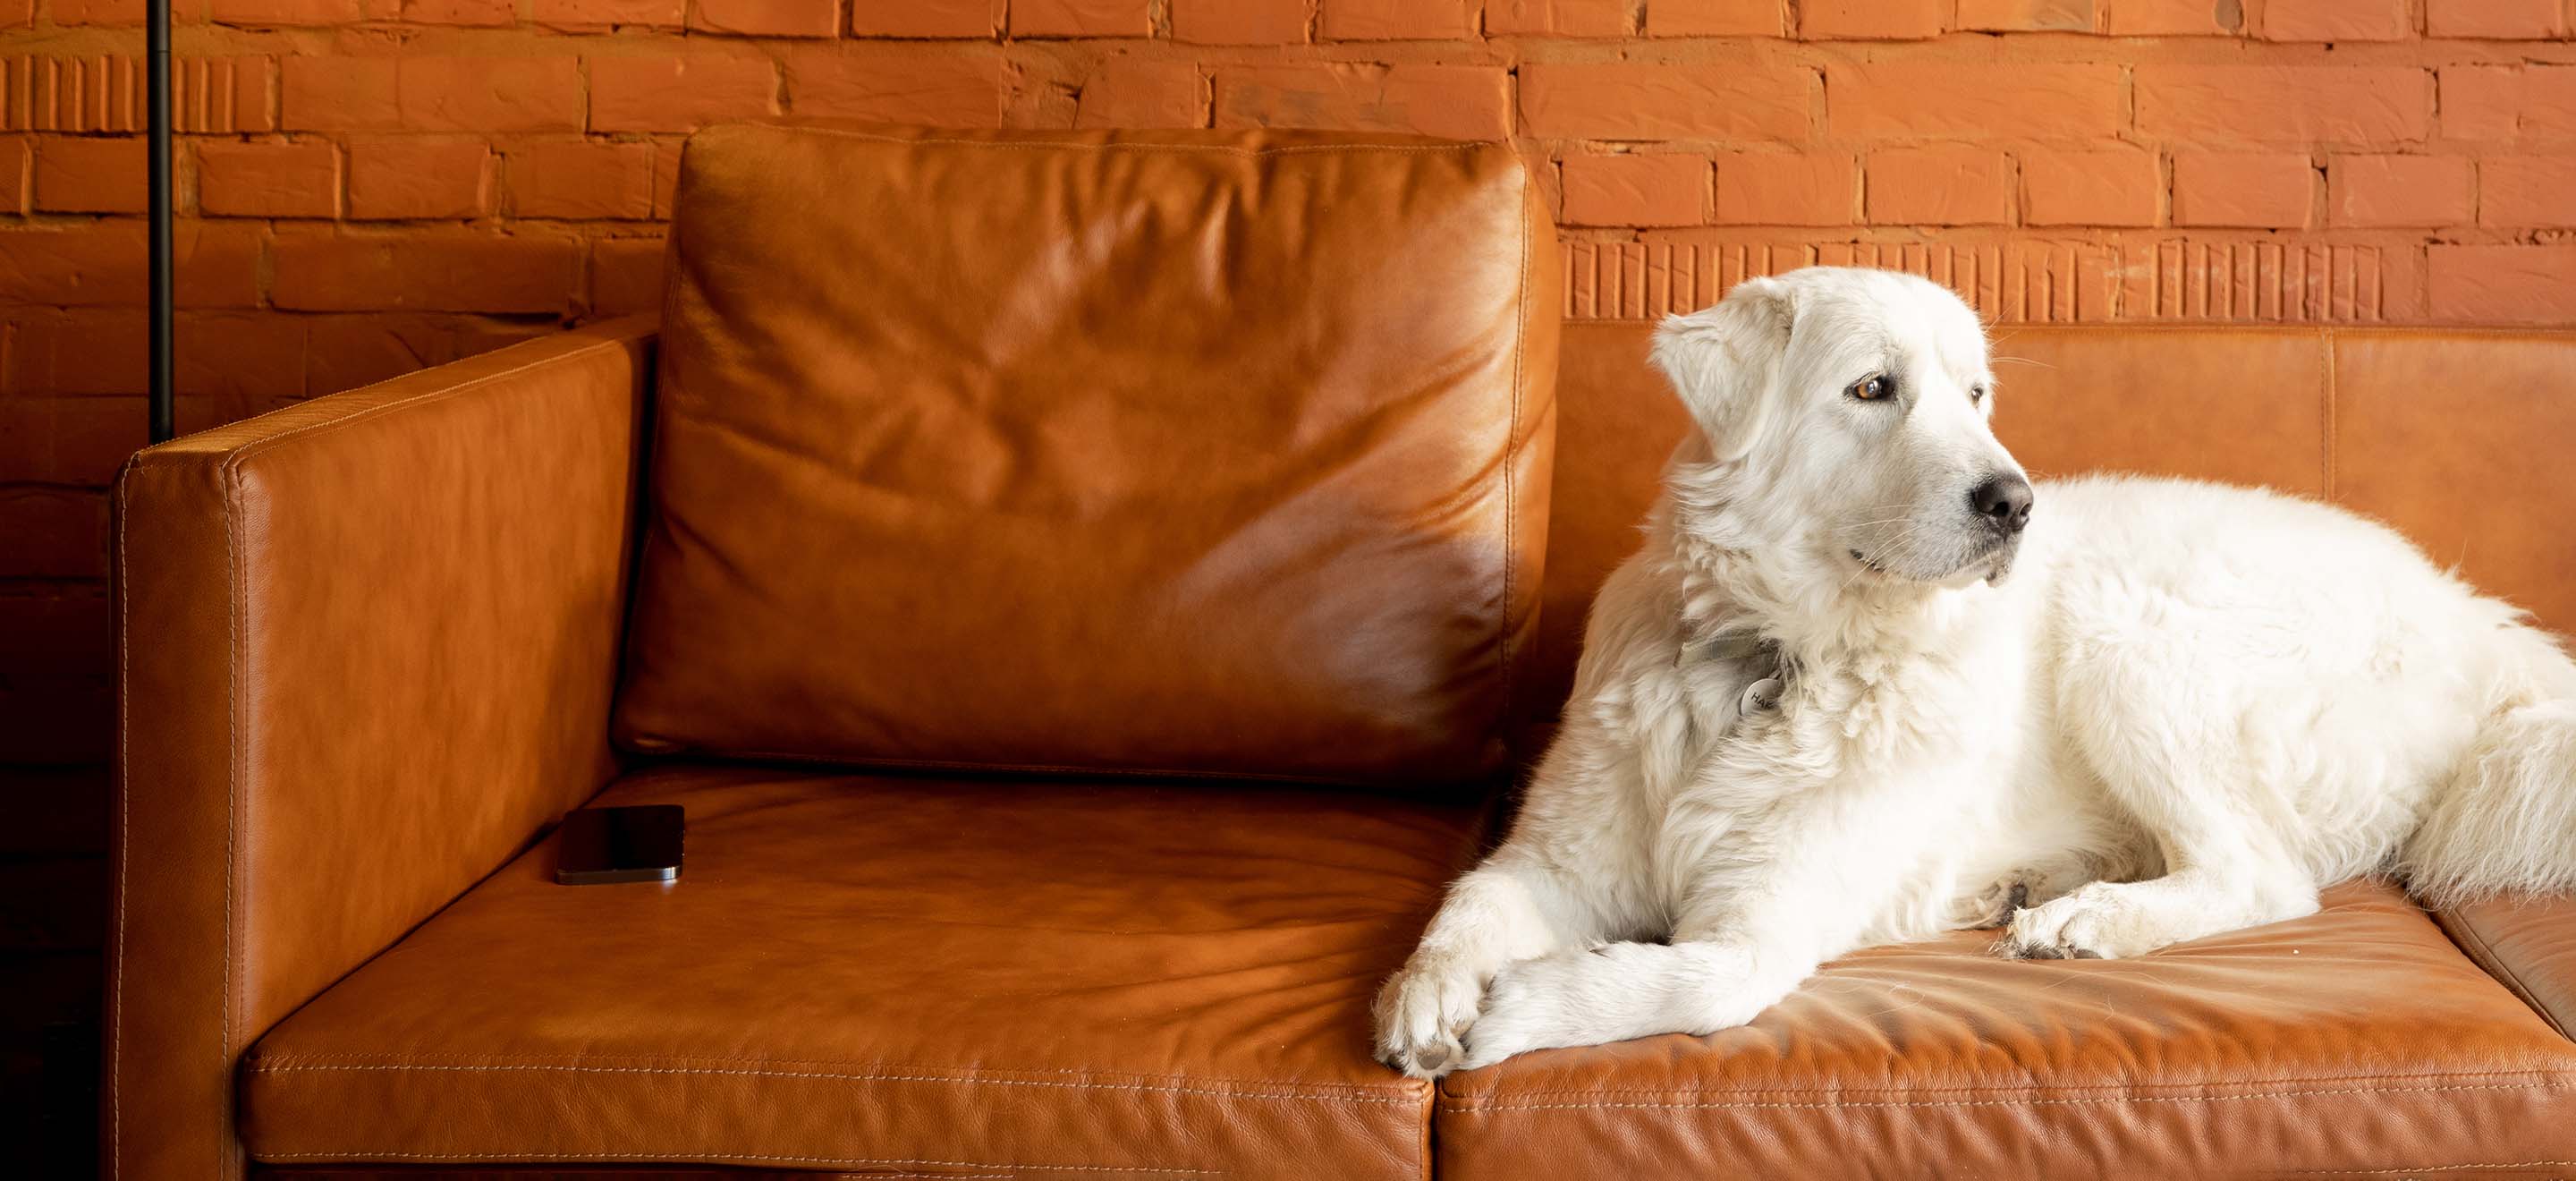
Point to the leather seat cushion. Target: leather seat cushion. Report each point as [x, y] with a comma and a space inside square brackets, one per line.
[2356, 1039]
[1075, 978]
[1188, 453]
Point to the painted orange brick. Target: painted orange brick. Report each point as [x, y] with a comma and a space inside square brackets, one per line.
[2548, 102]
[666, 176]
[412, 177]
[1666, 102]
[110, 13]
[1717, 18]
[2336, 20]
[1948, 186]
[1144, 94]
[581, 180]
[591, 16]
[2352, 105]
[1242, 22]
[2179, 18]
[1464, 102]
[453, 270]
[2481, 102]
[1891, 100]
[2502, 284]
[1081, 18]
[1787, 189]
[925, 18]
[2519, 19]
[943, 91]
[299, 179]
[2518, 192]
[101, 264]
[2061, 16]
[15, 158]
[1870, 20]
[432, 94]
[1636, 190]
[90, 174]
[2267, 190]
[483, 13]
[490, 94]
[626, 275]
[2397, 191]
[1556, 18]
[1397, 20]
[767, 18]
[2109, 186]
[675, 93]
[289, 12]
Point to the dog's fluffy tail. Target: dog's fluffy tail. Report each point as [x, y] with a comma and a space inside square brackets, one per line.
[2506, 819]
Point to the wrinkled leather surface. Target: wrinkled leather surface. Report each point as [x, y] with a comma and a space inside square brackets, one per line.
[1035, 978]
[366, 647]
[2529, 943]
[1190, 453]
[2357, 1038]
[2430, 430]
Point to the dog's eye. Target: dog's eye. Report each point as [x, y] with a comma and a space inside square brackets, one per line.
[1976, 395]
[1873, 387]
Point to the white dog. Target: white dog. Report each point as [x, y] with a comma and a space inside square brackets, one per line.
[1844, 697]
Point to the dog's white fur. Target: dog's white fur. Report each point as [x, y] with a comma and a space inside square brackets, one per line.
[2174, 709]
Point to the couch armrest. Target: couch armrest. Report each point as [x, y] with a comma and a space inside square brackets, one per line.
[2529, 945]
[366, 648]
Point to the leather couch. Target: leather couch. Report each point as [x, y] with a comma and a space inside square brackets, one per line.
[1090, 592]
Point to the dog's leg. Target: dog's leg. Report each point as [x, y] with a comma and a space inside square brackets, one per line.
[1505, 910]
[2224, 870]
[1724, 966]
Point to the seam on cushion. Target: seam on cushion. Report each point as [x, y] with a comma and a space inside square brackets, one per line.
[2463, 933]
[241, 454]
[1043, 146]
[2548, 1076]
[2528, 1164]
[1352, 1090]
[229, 479]
[844, 763]
[836, 1076]
[145, 457]
[2283, 331]
[1481, 1109]
[724, 1156]
[1510, 549]
[124, 849]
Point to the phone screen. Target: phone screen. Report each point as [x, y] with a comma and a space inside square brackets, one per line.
[597, 846]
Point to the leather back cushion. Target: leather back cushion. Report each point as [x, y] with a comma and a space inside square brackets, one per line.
[1187, 453]
[2456, 437]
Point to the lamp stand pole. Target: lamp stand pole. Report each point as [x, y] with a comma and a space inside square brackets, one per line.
[156, 105]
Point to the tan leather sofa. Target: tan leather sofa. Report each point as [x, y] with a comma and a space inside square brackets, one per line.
[1087, 591]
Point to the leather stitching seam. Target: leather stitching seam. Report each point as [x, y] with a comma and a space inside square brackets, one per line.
[1481, 1109]
[836, 1076]
[260, 1061]
[693, 1156]
[124, 849]
[2527, 1164]
[2548, 1076]
[228, 1147]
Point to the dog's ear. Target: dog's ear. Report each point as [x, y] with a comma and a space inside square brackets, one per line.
[1720, 360]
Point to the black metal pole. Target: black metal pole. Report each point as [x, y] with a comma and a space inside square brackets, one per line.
[156, 18]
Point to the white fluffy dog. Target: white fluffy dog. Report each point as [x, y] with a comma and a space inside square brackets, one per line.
[1844, 697]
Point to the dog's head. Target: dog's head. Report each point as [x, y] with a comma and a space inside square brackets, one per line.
[1848, 410]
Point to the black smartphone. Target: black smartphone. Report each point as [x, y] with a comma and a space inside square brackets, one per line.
[596, 846]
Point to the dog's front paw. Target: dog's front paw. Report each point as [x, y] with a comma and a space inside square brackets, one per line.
[1422, 1014]
[1516, 1008]
[2093, 923]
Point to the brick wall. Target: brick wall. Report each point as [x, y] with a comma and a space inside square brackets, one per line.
[368, 186]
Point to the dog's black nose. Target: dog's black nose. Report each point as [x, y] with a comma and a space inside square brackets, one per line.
[2003, 499]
